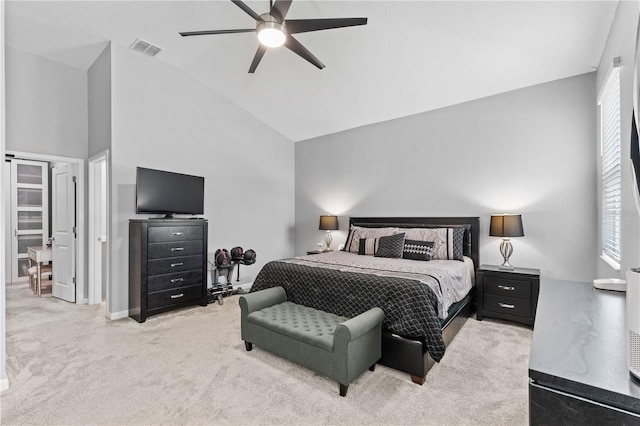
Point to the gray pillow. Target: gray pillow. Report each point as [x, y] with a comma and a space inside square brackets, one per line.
[390, 246]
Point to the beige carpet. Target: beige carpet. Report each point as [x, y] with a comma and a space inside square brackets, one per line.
[67, 364]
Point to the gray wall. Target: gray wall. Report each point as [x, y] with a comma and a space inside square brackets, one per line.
[528, 151]
[621, 42]
[99, 103]
[99, 132]
[163, 118]
[46, 106]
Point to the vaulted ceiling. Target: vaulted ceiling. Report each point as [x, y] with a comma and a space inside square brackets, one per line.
[413, 56]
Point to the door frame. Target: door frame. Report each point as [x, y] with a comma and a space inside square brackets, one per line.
[81, 297]
[95, 264]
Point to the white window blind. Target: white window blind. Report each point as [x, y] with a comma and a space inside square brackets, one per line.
[610, 151]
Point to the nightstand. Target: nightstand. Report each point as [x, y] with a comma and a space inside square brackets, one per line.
[507, 294]
[315, 252]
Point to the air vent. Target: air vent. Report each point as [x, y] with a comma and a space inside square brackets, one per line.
[145, 47]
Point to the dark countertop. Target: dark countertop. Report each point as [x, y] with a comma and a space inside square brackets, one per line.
[516, 270]
[579, 344]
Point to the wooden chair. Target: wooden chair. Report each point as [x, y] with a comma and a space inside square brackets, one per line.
[33, 277]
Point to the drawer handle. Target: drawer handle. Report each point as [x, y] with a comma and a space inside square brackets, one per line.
[508, 288]
[177, 233]
[177, 248]
[177, 280]
[173, 265]
[177, 296]
[506, 305]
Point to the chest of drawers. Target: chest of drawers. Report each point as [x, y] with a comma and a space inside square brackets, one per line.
[167, 265]
[508, 294]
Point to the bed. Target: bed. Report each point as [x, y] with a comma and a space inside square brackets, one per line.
[425, 303]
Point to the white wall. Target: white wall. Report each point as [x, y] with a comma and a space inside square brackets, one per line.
[528, 151]
[621, 43]
[163, 118]
[46, 106]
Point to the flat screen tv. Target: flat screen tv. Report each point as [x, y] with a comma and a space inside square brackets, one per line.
[168, 193]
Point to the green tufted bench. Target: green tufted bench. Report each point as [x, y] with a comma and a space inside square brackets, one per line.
[338, 347]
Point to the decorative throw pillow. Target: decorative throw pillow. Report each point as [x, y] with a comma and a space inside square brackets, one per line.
[390, 246]
[417, 250]
[367, 246]
[448, 242]
[458, 244]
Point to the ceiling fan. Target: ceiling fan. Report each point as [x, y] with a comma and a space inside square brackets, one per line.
[273, 30]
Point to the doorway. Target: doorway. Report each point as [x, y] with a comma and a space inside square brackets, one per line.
[76, 210]
[28, 185]
[98, 228]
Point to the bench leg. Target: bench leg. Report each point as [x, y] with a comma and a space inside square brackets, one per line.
[372, 368]
[343, 389]
[248, 346]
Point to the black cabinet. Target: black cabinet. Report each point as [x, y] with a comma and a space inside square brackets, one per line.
[508, 294]
[167, 265]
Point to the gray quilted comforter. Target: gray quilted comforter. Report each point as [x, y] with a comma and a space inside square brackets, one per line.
[410, 307]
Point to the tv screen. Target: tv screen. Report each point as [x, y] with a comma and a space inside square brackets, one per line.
[159, 191]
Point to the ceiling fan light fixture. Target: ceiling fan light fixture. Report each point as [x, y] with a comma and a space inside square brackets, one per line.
[271, 33]
[272, 29]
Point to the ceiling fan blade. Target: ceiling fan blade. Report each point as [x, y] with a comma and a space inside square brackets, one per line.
[295, 46]
[257, 58]
[295, 26]
[247, 9]
[198, 33]
[279, 9]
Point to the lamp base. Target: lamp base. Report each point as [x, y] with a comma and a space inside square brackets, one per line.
[327, 240]
[506, 249]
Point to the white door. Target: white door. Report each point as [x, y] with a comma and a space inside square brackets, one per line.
[98, 244]
[63, 202]
[29, 213]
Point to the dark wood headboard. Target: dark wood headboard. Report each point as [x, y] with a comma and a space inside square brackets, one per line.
[471, 225]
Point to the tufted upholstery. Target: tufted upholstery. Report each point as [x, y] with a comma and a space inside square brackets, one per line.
[338, 347]
[302, 323]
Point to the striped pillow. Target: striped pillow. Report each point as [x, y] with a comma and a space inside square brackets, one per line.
[368, 246]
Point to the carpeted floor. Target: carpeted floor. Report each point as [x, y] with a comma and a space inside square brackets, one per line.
[67, 364]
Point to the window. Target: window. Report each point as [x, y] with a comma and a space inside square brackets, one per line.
[609, 102]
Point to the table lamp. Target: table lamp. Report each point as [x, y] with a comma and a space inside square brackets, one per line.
[506, 226]
[328, 223]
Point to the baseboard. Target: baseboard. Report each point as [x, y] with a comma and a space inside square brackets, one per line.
[4, 384]
[117, 315]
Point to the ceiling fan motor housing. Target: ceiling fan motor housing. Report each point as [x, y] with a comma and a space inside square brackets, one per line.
[271, 32]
